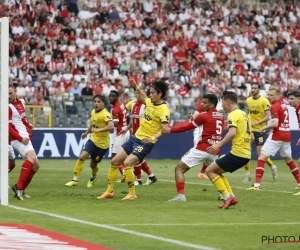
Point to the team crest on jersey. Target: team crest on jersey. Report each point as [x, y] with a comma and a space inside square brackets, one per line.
[229, 122]
[268, 106]
[108, 117]
[167, 118]
[274, 114]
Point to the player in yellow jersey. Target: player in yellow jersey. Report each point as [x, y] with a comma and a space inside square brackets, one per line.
[239, 132]
[155, 117]
[97, 145]
[259, 114]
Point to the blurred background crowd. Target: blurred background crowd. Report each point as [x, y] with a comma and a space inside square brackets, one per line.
[62, 52]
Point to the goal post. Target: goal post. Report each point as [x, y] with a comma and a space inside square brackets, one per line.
[4, 83]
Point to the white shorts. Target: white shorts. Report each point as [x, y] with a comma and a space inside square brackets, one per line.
[195, 157]
[271, 147]
[196, 135]
[118, 141]
[22, 148]
[11, 152]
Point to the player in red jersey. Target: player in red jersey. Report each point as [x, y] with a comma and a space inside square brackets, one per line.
[294, 101]
[120, 118]
[211, 124]
[20, 137]
[279, 139]
[11, 158]
[137, 108]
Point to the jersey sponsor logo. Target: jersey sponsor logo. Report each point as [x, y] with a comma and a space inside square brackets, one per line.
[253, 112]
[147, 117]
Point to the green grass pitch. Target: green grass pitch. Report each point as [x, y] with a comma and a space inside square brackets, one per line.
[273, 211]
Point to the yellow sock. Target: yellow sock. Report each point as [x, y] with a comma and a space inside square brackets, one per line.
[220, 186]
[78, 168]
[247, 168]
[95, 170]
[130, 180]
[112, 176]
[269, 162]
[227, 185]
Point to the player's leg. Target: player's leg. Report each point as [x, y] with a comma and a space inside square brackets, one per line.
[202, 174]
[299, 167]
[11, 158]
[96, 158]
[151, 177]
[248, 165]
[113, 171]
[87, 150]
[138, 175]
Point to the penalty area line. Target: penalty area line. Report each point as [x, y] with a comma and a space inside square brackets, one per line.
[214, 224]
[211, 185]
[114, 228]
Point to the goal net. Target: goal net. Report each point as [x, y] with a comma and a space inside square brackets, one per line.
[4, 82]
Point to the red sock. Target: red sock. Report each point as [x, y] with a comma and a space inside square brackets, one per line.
[10, 168]
[294, 170]
[260, 169]
[204, 167]
[146, 168]
[121, 168]
[180, 187]
[138, 171]
[30, 175]
[25, 170]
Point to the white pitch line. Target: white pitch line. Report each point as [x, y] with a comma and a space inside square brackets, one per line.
[205, 184]
[135, 233]
[215, 224]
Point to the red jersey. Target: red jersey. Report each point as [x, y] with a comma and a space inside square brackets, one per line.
[18, 125]
[282, 132]
[211, 127]
[137, 111]
[119, 114]
[298, 114]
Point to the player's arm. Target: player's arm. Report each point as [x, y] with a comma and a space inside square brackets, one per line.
[89, 130]
[12, 130]
[115, 117]
[184, 128]
[142, 94]
[274, 121]
[267, 114]
[109, 126]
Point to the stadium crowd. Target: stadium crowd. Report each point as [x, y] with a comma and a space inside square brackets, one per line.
[60, 52]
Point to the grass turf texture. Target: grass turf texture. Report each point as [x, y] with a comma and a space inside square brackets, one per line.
[202, 222]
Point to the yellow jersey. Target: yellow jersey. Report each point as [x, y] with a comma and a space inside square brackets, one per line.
[100, 120]
[241, 144]
[256, 110]
[154, 116]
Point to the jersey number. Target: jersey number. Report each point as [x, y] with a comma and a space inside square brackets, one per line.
[219, 127]
[286, 118]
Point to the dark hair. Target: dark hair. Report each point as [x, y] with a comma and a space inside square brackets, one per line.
[294, 93]
[101, 97]
[212, 99]
[115, 92]
[161, 87]
[256, 83]
[11, 86]
[229, 95]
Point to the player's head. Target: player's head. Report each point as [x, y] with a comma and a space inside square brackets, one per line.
[255, 89]
[209, 102]
[138, 96]
[273, 95]
[158, 91]
[113, 96]
[294, 98]
[229, 101]
[12, 94]
[99, 102]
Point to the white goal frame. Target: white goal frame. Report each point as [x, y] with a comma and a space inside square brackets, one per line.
[4, 82]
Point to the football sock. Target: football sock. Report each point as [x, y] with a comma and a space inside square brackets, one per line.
[95, 171]
[260, 169]
[227, 185]
[11, 166]
[220, 186]
[112, 176]
[29, 177]
[180, 187]
[130, 180]
[25, 169]
[204, 167]
[77, 170]
[121, 169]
[146, 169]
[295, 171]
[247, 168]
[269, 162]
[138, 171]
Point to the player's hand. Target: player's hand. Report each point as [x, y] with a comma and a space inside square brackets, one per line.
[123, 131]
[25, 140]
[262, 130]
[147, 140]
[31, 126]
[95, 130]
[253, 124]
[298, 142]
[212, 148]
[84, 135]
[166, 130]
[133, 81]
[191, 116]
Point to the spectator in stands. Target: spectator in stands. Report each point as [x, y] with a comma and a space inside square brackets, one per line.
[87, 92]
[75, 90]
[29, 89]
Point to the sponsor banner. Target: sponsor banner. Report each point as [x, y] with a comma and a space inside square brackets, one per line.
[25, 237]
[67, 143]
